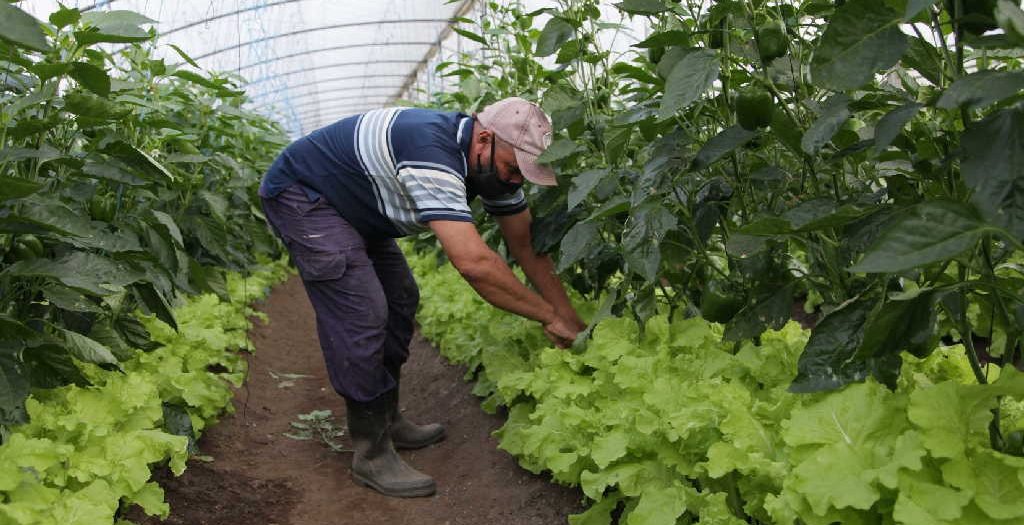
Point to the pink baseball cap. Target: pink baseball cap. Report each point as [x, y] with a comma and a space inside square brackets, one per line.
[528, 129]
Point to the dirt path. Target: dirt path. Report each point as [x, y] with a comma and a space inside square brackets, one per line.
[260, 477]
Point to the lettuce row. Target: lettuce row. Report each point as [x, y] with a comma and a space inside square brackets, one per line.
[675, 426]
[88, 449]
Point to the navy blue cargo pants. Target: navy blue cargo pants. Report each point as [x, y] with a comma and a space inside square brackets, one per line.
[362, 291]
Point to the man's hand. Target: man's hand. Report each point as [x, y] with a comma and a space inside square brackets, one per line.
[572, 319]
[561, 332]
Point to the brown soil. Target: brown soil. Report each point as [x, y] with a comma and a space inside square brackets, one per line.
[260, 477]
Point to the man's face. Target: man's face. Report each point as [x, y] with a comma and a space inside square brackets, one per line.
[506, 164]
[495, 171]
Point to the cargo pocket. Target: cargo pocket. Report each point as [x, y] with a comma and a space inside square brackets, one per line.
[319, 265]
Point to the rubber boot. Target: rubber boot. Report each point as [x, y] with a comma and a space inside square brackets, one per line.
[405, 434]
[375, 463]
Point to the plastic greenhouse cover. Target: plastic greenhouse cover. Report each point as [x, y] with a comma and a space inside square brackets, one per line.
[311, 62]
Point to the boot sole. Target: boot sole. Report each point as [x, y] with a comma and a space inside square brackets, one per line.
[418, 492]
[414, 446]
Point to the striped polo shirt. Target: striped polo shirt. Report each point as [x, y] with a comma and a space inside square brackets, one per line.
[388, 172]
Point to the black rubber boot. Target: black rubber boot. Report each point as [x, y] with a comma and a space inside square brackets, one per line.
[375, 463]
[405, 434]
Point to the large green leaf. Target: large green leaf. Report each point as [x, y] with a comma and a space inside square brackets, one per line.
[993, 167]
[830, 358]
[16, 187]
[578, 243]
[690, 78]
[86, 349]
[642, 7]
[14, 386]
[87, 272]
[120, 27]
[91, 77]
[930, 232]
[19, 28]
[555, 33]
[770, 311]
[916, 6]
[156, 303]
[38, 214]
[832, 117]
[980, 89]
[111, 170]
[721, 145]
[891, 125]
[641, 240]
[583, 184]
[862, 38]
[901, 324]
[138, 159]
[558, 150]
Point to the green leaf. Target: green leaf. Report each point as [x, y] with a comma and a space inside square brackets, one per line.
[46, 70]
[68, 299]
[64, 17]
[829, 362]
[578, 243]
[88, 272]
[852, 444]
[916, 6]
[993, 168]
[920, 57]
[862, 38]
[217, 85]
[21, 29]
[641, 240]
[86, 349]
[1011, 19]
[555, 33]
[930, 232]
[14, 387]
[642, 7]
[558, 150]
[672, 37]
[168, 223]
[978, 90]
[907, 324]
[185, 56]
[39, 214]
[110, 170]
[119, 27]
[91, 77]
[690, 78]
[471, 35]
[12, 187]
[156, 303]
[138, 159]
[892, 124]
[583, 184]
[721, 145]
[771, 311]
[832, 117]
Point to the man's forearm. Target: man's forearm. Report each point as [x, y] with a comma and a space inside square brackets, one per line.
[496, 283]
[541, 272]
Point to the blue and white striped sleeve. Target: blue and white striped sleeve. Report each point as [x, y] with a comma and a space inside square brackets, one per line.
[437, 191]
[510, 204]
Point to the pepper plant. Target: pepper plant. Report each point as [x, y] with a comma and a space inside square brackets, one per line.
[124, 182]
[854, 164]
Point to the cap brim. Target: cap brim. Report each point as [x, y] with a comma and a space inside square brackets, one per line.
[534, 172]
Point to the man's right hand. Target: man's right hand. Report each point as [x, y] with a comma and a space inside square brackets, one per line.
[560, 332]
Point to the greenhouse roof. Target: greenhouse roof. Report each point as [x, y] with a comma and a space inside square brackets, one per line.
[307, 62]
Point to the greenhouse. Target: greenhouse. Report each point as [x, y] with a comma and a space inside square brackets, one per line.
[524, 262]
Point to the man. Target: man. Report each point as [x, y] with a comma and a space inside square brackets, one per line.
[338, 198]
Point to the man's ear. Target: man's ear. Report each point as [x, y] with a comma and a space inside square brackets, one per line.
[484, 136]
